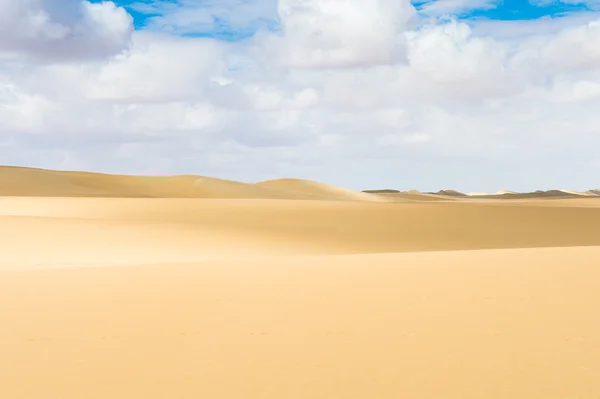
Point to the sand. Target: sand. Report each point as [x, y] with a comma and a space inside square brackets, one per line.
[589, 193]
[273, 298]
[32, 182]
[472, 324]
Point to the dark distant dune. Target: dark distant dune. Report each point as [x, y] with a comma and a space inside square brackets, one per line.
[450, 193]
[550, 194]
[385, 191]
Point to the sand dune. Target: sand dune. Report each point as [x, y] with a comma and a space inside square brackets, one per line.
[408, 196]
[540, 194]
[502, 194]
[411, 196]
[18, 181]
[318, 190]
[384, 191]
[582, 193]
[23, 182]
[450, 193]
[44, 183]
[194, 228]
[472, 194]
[190, 287]
[536, 194]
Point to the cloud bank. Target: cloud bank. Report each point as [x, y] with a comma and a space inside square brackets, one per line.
[361, 94]
[62, 30]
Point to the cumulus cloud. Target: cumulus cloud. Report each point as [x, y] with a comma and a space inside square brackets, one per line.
[333, 34]
[582, 44]
[159, 68]
[62, 29]
[450, 57]
[361, 98]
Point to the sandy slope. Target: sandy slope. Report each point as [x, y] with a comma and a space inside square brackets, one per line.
[43, 183]
[469, 324]
[414, 196]
[95, 230]
[319, 190]
[156, 298]
[589, 193]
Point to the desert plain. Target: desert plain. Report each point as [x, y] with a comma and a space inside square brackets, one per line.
[188, 287]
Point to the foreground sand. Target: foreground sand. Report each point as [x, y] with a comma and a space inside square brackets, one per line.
[278, 299]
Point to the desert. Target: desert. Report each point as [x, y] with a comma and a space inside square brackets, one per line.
[188, 287]
[299, 199]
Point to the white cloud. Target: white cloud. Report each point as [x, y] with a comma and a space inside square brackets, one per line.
[388, 105]
[62, 30]
[333, 33]
[450, 57]
[159, 68]
[582, 44]
[564, 90]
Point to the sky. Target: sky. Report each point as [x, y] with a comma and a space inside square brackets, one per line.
[473, 95]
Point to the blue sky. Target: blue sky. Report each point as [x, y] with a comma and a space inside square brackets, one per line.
[524, 10]
[144, 11]
[139, 18]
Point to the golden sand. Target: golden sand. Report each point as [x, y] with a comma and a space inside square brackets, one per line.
[297, 298]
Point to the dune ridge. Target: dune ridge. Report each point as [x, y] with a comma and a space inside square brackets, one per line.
[502, 194]
[21, 181]
[450, 193]
[35, 182]
[319, 190]
[474, 194]
[589, 193]
[409, 196]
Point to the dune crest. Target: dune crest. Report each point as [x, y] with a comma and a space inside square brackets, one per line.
[481, 194]
[450, 193]
[318, 190]
[588, 193]
[21, 181]
[35, 182]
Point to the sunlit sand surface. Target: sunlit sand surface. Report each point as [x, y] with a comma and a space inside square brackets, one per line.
[296, 295]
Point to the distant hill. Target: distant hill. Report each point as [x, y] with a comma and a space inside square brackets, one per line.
[450, 193]
[503, 194]
[386, 191]
[535, 194]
